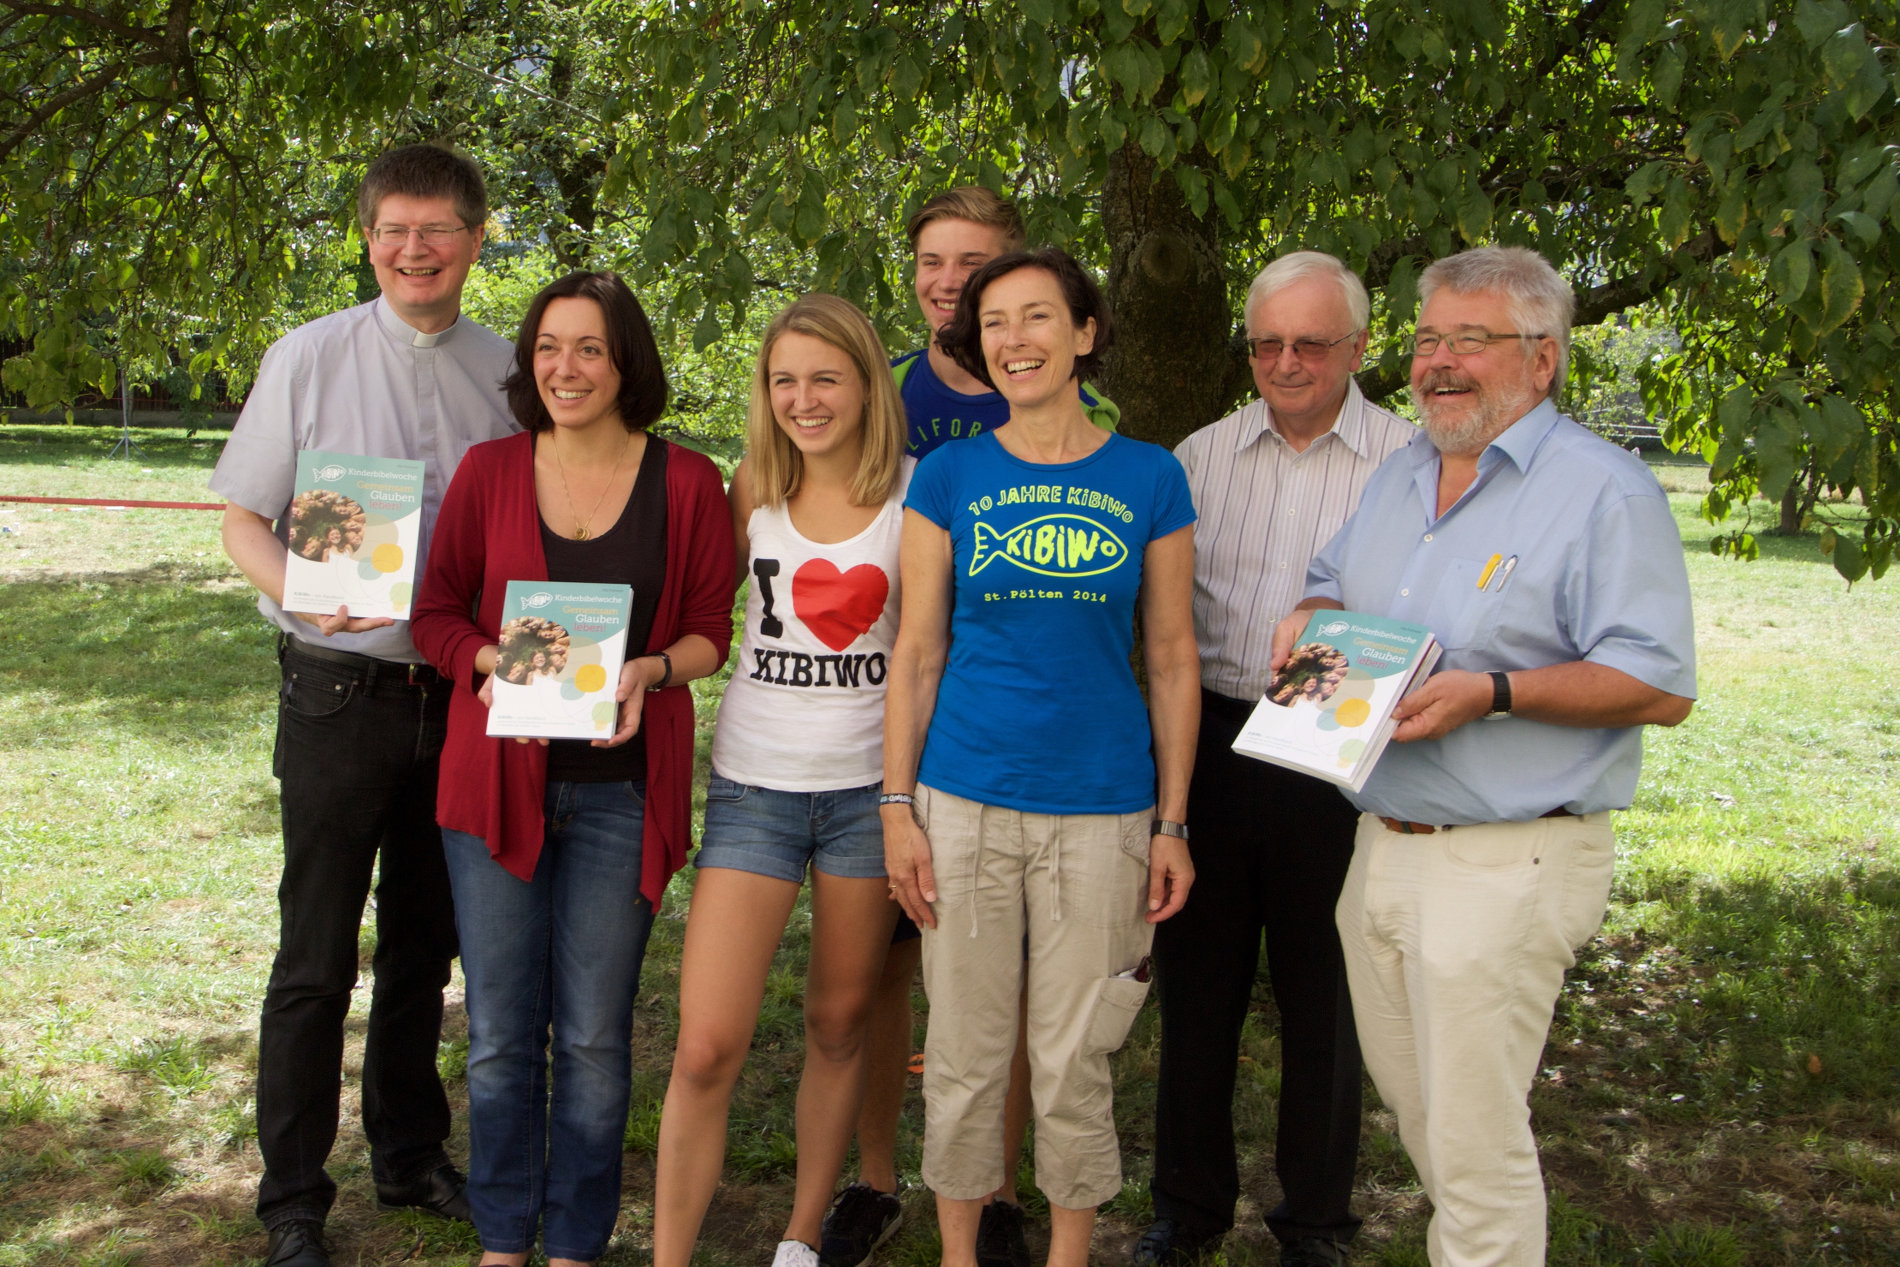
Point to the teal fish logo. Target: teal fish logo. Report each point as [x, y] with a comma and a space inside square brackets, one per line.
[1050, 545]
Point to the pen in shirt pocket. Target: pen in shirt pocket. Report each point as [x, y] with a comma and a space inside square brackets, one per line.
[1490, 567]
[1504, 575]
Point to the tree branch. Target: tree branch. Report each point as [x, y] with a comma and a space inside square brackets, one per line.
[137, 34]
[78, 92]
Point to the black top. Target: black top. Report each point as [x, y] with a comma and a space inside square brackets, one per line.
[632, 552]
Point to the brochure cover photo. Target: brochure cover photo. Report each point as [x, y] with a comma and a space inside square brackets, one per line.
[352, 531]
[562, 644]
[1328, 711]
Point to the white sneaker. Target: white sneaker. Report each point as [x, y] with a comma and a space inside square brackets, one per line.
[795, 1254]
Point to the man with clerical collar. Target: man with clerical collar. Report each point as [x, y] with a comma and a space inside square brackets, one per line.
[1547, 563]
[361, 716]
[1272, 482]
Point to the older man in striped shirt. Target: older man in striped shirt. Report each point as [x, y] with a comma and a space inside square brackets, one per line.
[1272, 482]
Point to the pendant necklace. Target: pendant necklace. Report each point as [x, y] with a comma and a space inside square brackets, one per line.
[580, 526]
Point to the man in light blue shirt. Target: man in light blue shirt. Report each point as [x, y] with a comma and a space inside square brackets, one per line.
[361, 717]
[1547, 562]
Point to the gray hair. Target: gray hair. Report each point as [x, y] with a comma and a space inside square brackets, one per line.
[1299, 266]
[1537, 298]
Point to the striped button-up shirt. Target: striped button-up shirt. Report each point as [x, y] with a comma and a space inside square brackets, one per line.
[1265, 510]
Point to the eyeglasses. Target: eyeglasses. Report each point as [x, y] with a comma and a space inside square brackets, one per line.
[1268, 350]
[431, 234]
[1464, 343]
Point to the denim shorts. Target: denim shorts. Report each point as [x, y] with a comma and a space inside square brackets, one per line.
[768, 832]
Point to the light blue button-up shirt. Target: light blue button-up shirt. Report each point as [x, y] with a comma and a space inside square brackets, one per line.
[1589, 566]
[364, 381]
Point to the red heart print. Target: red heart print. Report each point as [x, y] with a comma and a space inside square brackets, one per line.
[839, 607]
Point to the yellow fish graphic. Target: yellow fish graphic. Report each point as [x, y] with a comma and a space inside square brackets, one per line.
[1050, 545]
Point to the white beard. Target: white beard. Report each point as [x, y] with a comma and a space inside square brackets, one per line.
[1487, 419]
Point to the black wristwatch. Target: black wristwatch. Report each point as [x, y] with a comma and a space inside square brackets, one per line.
[1500, 696]
[1168, 827]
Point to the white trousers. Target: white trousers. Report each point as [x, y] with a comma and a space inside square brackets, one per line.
[1456, 945]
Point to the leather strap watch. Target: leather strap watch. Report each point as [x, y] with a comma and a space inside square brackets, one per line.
[1500, 696]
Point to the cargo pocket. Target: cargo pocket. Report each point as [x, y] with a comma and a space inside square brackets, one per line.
[1118, 1001]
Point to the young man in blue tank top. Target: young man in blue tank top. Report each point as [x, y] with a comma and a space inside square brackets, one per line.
[952, 235]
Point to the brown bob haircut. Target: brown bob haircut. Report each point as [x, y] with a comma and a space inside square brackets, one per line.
[424, 171]
[963, 337]
[629, 342]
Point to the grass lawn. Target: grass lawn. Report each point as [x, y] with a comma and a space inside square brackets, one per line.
[1720, 1086]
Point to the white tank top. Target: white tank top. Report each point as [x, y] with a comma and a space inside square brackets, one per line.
[804, 711]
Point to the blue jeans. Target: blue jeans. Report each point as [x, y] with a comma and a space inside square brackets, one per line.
[561, 951]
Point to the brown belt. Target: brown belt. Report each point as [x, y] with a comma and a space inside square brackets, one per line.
[1404, 828]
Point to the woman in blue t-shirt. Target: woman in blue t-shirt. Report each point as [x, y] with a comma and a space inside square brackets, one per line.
[1033, 804]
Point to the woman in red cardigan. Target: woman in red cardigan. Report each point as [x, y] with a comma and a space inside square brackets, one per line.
[559, 852]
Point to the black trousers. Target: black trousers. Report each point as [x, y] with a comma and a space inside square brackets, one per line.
[1270, 853]
[358, 747]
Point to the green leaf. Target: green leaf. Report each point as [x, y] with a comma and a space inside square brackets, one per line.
[1668, 75]
[1645, 181]
[1843, 54]
[907, 79]
[1777, 451]
[1675, 218]
[1818, 19]
[707, 330]
[1242, 43]
[1841, 286]
[1788, 274]
[1196, 76]
[1643, 20]
[1735, 414]
[1155, 137]
[1474, 217]
[1861, 225]
[1732, 215]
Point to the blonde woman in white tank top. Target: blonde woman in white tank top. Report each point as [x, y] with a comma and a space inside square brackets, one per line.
[797, 757]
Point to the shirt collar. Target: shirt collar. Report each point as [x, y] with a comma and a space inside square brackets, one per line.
[1349, 426]
[1520, 441]
[402, 332]
[1517, 443]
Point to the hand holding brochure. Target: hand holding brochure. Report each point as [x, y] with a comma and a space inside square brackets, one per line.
[1328, 711]
[352, 529]
[562, 645]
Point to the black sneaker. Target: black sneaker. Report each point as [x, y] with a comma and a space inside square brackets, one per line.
[859, 1220]
[999, 1236]
[297, 1243]
[1313, 1251]
[1167, 1243]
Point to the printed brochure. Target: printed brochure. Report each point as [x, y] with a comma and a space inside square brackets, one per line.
[562, 645]
[1328, 711]
[352, 529]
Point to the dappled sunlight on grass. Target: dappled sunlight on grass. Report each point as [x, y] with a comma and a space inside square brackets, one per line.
[1720, 1085]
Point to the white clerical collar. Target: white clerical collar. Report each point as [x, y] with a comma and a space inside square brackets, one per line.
[403, 332]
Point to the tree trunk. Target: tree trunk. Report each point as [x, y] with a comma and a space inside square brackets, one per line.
[1171, 369]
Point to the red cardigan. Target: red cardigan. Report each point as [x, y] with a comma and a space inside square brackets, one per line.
[489, 533]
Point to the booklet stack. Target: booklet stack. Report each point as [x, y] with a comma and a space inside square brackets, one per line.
[352, 530]
[562, 645]
[1328, 711]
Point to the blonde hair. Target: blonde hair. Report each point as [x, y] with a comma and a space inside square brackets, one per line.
[775, 463]
[975, 204]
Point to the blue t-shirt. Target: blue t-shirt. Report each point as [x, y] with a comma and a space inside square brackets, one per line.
[937, 415]
[1038, 708]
